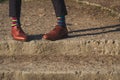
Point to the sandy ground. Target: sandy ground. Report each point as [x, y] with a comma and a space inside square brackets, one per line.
[83, 21]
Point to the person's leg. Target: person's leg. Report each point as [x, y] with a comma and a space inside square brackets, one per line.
[14, 13]
[14, 8]
[59, 7]
[61, 12]
[60, 31]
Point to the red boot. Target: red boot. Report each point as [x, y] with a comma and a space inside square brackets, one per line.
[57, 33]
[18, 34]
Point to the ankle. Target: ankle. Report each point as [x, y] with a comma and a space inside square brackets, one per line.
[15, 21]
[61, 21]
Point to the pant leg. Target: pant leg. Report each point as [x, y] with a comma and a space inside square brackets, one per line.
[14, 8]
[60, 7]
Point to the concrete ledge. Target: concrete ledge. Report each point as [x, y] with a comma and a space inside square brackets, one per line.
[60, 68]
[17, 75]
[66, 47]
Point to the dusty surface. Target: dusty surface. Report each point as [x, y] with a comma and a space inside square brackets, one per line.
[51, 67]
[112, 4]
[84, 21]
[80, 47]
[60, 63]
[91, 51]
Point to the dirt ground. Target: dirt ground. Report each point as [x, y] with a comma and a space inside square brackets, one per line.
[83, 21]
[112, 4]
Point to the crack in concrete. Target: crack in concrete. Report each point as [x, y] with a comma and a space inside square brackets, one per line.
[100, 6]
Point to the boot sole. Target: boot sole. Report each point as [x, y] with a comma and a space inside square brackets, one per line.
[23, 40]
[64, 36]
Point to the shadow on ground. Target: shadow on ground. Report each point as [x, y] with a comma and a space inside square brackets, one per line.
[34, 37]
[115, 29]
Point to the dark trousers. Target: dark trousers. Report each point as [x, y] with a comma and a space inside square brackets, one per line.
[15, 8]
